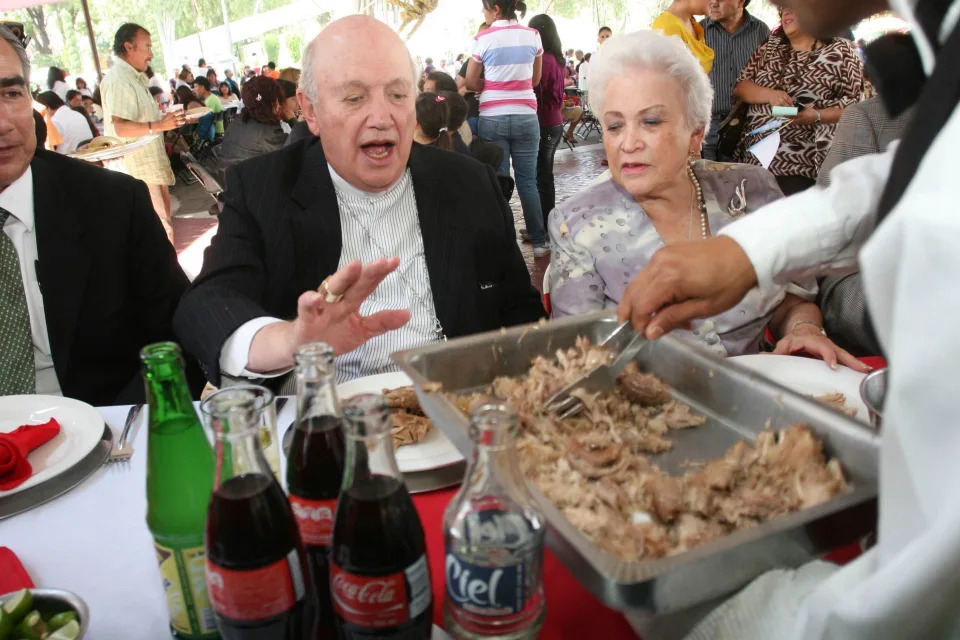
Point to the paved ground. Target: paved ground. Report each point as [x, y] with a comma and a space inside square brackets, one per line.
[194, 226]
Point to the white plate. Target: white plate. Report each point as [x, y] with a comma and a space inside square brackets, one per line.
[112, 153]
[432, 452]
[81, 427]
[196, 113]
[809, 377]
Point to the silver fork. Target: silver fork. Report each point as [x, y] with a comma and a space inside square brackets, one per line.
[122, 450]
[601, 378]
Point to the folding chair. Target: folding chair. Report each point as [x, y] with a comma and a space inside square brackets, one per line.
[210, 184]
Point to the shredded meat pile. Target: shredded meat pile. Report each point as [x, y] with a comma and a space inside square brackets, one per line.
[838, 401]
[410, 425]
[595, 469]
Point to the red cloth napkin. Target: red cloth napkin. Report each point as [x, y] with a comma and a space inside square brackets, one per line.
[13, 576]
[16, 445]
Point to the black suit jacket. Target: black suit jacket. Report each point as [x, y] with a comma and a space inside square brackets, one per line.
[109, 278]
[280, 236]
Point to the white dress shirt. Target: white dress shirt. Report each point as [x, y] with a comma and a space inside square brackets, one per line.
[21, 229]
[907, 585]
[73, 129]
[394, 230]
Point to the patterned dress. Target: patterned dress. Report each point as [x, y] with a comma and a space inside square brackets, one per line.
[829, 76]
[602, 239]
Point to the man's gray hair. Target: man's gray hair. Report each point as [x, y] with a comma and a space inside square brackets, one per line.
[622, 55]
[14, 42]
[308, 72]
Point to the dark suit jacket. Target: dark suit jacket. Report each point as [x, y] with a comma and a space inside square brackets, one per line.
[279, 236]
[109, 278]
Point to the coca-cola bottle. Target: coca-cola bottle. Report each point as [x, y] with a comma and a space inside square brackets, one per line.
[315, 472]
[255, 567]
[379, 576]
[494, 540]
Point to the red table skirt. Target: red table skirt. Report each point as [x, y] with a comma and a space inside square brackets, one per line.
[572, 611]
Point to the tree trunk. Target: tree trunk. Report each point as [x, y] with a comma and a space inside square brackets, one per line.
[40, 29]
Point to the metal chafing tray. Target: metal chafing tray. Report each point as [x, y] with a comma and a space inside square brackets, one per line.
[738, 404]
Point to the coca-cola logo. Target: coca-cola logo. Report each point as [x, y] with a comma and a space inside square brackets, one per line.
[368, 592]
[214, 580]
[317, 514]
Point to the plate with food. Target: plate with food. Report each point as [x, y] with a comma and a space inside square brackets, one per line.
[80, 430]
[419, 445]
[110, 148]
[839, 389]
[192, 115]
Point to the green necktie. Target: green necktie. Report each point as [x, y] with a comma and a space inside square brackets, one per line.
[17, 369]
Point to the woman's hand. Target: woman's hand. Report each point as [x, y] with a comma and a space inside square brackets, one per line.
[806, 338]
[806, 116]
[779, 98]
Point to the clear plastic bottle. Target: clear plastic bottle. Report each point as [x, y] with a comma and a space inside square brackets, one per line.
[494, 534]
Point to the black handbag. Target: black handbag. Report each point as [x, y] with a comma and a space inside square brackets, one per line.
[731, 129]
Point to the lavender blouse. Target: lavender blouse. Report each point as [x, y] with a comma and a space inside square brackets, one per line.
[601, 239]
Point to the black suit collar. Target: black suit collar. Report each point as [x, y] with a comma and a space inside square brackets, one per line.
[64, 258]
[319, 226]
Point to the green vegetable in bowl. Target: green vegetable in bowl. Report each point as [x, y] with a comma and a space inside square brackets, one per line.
[19, 605]
[69, 631]
[60, 619]
[32, 627]
[6, 624]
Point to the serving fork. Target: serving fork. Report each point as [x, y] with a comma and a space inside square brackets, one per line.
[122, 449]
[601, 378]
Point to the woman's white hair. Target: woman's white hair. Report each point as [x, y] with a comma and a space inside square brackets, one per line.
[647, 49]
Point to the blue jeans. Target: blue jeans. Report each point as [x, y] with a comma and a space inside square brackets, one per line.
[519, 137]
[474, 122]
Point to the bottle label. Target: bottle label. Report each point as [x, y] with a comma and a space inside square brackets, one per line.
[256, 594]
[188, 604]
[315, 519]
[486, 591]
[381, 601]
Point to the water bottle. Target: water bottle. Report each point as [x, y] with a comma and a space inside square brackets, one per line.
[494, 532]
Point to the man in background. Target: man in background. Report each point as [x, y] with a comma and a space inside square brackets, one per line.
[205, 91]
[201, 68]
[228, 78]
[734, 35]
[130, 112]
[74, 98]
[271, 71]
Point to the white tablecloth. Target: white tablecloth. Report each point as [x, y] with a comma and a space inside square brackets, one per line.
[94, 542]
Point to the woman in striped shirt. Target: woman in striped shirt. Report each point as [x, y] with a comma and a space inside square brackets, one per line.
[509, 56]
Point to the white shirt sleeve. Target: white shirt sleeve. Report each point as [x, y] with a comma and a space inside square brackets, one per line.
[817, 231]
[235, 354]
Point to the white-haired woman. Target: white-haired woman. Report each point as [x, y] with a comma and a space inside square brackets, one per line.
[653, 100]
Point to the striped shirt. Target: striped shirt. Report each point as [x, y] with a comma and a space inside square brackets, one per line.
[381, 225]
[732, 52]
[507, 51]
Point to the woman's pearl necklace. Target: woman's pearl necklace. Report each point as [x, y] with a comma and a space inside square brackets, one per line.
[701, 205]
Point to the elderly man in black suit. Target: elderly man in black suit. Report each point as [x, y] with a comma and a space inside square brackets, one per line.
[360, 238]
[87, 276]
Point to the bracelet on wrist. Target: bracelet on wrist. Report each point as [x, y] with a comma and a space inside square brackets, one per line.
[812, 324]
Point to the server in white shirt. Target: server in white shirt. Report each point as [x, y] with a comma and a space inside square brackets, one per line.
[896, 214]
[87, 276]
[432, 228]
[73, 128]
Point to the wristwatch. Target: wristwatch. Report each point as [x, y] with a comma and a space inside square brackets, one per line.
[819, 117]
[150, 127]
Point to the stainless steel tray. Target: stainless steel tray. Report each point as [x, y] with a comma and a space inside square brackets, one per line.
[738, 404]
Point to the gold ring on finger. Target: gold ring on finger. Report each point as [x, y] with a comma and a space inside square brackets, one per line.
[328, 296]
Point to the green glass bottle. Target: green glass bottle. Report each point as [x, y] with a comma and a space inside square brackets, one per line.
[180, 465]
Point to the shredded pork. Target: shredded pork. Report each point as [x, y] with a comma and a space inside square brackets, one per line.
[596, 469]
[410, 425]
